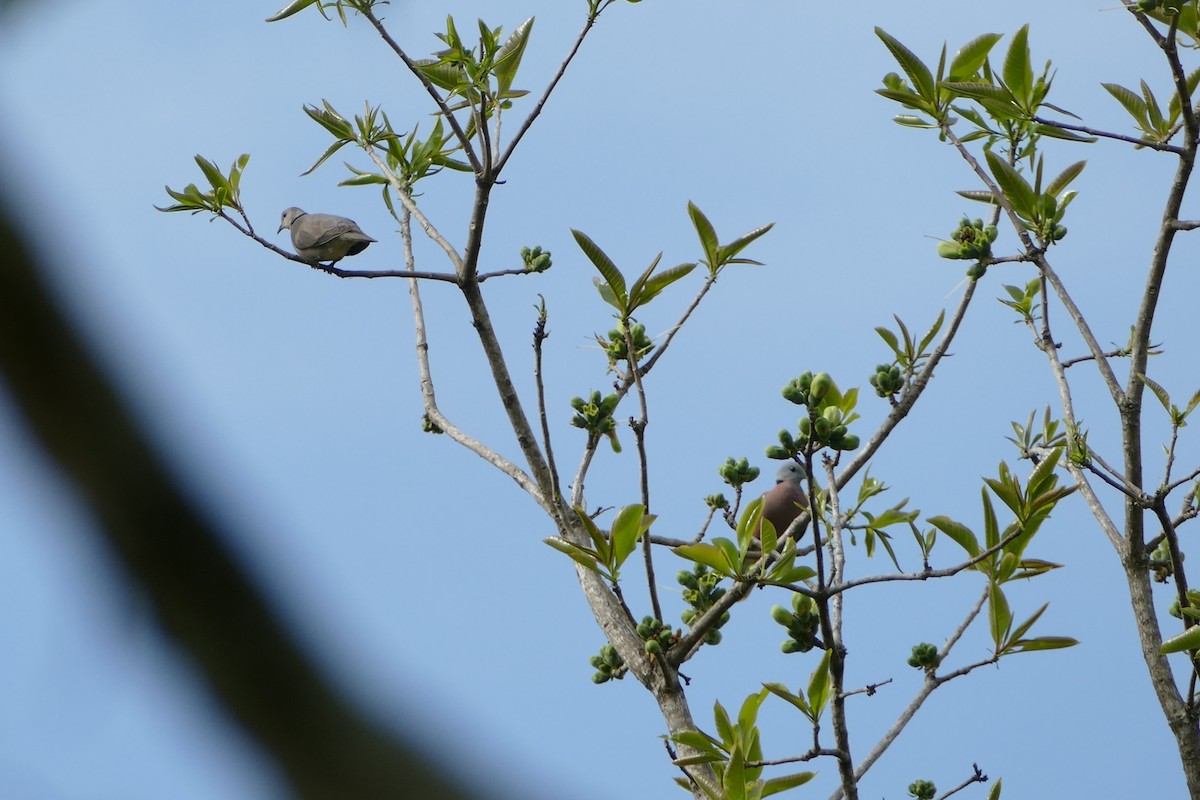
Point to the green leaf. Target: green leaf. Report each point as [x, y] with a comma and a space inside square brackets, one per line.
[725, 730]
[1041, 643]
[999, 616]
[1018, 191]
[1018, 72]
[333, 148]
[918, 73]
[979, 195]
[697, 741]
[1158, 391]
[889, 338]
[994, 794]
[584, 557]
[1153, 110]
[781, 691]
[932, 332]
[627, 528]
[1064, 178]
[791, 574]
[958, 532]
[785, 782]
[982, 91]
[1188, 640]
[971, 56]
[608, 270]
[599, 540]
[656, 283]
[749, 524]
[748, 714]
[734, 780]
[1024, 627]
[1132, 103]
[708, 555]
[508, 59]
[442, 75]
[289, 9]
[726, 254]
[818, 686]
[707, 234]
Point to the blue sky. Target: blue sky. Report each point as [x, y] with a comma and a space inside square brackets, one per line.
[288, 399]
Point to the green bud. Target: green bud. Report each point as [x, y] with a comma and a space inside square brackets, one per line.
[849, 442]
[948, 250]
[821, 384]
[781, 615]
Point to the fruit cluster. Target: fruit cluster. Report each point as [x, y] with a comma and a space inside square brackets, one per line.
[826, 423]
[924, 656]
[700, 591]
[801, 624]
[887, 380]
[535, 259]
[608, 664]
[617, 349]
[657, 635]
[595, 415]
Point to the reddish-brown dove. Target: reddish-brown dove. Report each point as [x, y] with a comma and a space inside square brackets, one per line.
[786, 499]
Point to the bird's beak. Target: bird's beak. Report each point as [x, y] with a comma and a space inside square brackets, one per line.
[280, 228]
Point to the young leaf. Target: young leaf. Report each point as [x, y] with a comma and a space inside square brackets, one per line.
[999, 616]
[785, 782]
[627, 528]
[1018, 72]
[707, 234]
[781, 691]
[958, 532]
[1018, 191]
[608, 270]
[1158, 391]
[1188, 640]
[1041, 643]
[1064, 178]
[1132, 103]
[971, 56]
[289, 9]
[918, 73]
[709, 555]
[509, 57]
[818, 686]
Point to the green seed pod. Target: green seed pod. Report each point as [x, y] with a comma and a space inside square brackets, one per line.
[976, 270]
[948, 249]
[821, 384]
[791, 646]
[849, 442]
[781, 615]
[822, 428]
[712, 636]
[805, 426]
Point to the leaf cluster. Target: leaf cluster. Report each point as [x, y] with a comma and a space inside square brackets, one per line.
[224, 191]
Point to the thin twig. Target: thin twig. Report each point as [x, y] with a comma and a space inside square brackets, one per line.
[1120, 137]
[442, 105]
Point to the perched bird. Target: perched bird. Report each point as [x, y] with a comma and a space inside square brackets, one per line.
[786, 499]
[323, 237]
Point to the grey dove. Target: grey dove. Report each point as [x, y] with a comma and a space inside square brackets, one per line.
[323, 237]
[784, 501]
